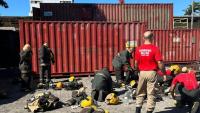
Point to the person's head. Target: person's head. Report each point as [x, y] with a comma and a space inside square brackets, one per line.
[131, 45]
[148, 36]
[45, 44]
[26, 47]
[184, 70]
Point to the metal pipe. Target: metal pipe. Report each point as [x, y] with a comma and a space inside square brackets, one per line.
[192, 14]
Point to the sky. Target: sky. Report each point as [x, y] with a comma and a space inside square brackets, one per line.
[22, 7]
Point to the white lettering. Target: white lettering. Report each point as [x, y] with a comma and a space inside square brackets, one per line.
[145, 52]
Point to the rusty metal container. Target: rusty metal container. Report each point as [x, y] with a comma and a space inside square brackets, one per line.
[157, 16]
[79, 47]
[180, 46]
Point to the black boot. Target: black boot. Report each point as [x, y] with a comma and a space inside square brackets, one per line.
[149, 111]
[138, 110]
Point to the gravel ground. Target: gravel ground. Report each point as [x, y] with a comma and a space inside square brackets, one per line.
[16, 101]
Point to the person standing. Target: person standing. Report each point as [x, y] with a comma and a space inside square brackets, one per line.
[147, 60]
[25, 67]
[121, 63]
[46, 57]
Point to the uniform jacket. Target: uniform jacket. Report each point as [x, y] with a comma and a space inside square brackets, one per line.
[25, 61]
[122, 58]
[102, 80]
[46, 56]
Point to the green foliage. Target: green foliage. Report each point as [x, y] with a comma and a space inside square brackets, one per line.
[196, 6]
[3, 3]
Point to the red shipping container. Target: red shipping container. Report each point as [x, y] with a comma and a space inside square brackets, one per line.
[79, 47]
[178, 46]
[157, 16]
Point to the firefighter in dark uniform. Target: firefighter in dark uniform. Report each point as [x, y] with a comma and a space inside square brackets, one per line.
[121, 63]
[25, 67]
[46, 57]
[101, 84]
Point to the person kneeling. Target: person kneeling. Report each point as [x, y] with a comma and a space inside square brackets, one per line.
[185, 89]
[101, 85]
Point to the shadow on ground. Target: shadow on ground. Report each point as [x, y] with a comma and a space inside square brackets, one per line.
[175, 110]
[7, 86]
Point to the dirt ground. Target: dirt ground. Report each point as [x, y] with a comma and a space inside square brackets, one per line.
[16, 101]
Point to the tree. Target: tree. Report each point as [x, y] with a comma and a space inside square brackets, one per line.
[3, 3]
[196, 6]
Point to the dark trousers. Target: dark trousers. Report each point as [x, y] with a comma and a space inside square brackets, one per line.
[186, 96]
[25, 80]
[99, 95]
[131, 75]
[45, 71]
[119, 73]
[164, 84]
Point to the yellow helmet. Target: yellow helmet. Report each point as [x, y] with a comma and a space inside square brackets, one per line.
[87, 102]
[71, 78]
[175, 68]
[112, 99]
[131, 44]
[106, 111]
[132, 83]
[59, 85]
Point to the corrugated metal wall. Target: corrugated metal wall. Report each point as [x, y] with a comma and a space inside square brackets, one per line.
[80, 47]
[178, 45]
[157, 16]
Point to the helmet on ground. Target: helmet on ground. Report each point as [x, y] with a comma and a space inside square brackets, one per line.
[59, 85]
[87, 102]
[132, 83]
[112, 99]
[71, 78]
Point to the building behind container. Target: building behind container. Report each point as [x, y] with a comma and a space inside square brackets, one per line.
[9, 47]
[157, 16]
[184, 22]
[12, 21]
[36, 3]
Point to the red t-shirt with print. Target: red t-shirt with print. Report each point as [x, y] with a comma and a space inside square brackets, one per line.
[188, 80]
[147, 56]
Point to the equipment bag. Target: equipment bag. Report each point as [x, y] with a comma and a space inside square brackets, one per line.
[42, 102]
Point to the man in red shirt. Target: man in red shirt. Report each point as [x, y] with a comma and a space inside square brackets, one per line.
[185, 88]
[188, 80]
[147, 59]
